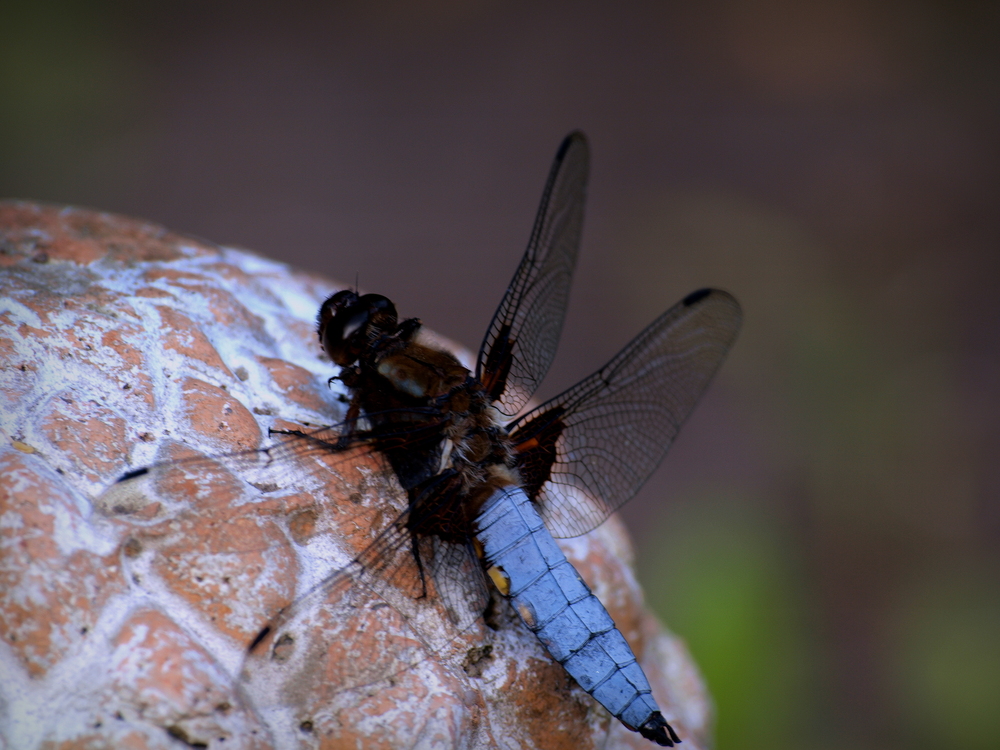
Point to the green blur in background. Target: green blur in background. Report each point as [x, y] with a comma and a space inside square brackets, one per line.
[826, 532]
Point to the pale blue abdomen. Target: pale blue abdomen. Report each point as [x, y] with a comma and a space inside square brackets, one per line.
[557, 606]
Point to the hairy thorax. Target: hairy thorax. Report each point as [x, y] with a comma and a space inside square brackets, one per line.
[462, 441]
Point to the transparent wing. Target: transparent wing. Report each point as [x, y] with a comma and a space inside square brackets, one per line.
[303, 551]
[297, 457]
[522, 337]
[587, 451]
[373, 621]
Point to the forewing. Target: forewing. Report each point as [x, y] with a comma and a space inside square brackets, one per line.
[295, 458]
[188, 482]
[523, 336]
[587, 451]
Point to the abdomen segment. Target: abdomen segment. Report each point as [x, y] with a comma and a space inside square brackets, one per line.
[556, 605]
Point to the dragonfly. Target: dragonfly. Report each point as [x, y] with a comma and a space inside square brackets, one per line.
[489, 481]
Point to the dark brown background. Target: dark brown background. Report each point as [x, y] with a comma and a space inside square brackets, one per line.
[826, 532]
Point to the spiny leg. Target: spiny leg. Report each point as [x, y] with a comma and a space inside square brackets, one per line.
[415, 546]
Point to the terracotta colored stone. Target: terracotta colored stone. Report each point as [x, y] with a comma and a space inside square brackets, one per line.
[214, 413]
[183, 337]
[540, 690]
[91, 436]
[127, 610]
[152, 293]
[43, 233]
[295, 383]
[234, 567]
[192, 699]
[130, 739]
[302, 525]
[51, 587]
[371, 675]
[226, 308]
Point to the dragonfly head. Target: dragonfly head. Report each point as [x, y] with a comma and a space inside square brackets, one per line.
[347, 322]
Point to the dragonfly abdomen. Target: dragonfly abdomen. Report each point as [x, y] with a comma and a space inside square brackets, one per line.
[552, 600]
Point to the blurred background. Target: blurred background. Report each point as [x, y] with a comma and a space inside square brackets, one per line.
[826, 531]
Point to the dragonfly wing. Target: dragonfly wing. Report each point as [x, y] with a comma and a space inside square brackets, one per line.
[383, 624]
[458, 581]
[297, 459]
[587, 451]
[523, 336]
[308, 541]
[367, 634]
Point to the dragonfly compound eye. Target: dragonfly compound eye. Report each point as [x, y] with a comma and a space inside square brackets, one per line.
[346, 322]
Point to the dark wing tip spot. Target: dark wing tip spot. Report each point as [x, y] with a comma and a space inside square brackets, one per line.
[260, 637]
[133, 474]
[696, 297]
[576, 135]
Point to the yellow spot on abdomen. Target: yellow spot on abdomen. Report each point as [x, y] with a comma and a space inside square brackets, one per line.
[500, 579]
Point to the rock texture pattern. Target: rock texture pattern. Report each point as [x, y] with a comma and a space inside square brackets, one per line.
[124, 621]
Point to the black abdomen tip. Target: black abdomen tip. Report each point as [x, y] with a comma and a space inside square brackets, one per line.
[659, 731]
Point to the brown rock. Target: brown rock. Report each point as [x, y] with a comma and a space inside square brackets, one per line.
[52, 588]
[191, 698]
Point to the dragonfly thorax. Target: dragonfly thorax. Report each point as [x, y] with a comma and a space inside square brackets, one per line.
[428, 415]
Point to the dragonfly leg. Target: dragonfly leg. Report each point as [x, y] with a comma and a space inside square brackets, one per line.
[415, 546]
[293, 433]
